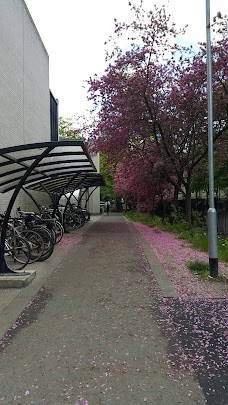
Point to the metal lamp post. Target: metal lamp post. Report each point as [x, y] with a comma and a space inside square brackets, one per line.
[212, 215]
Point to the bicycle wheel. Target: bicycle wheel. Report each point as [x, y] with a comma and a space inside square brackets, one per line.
[82, 219]
[71, 221]
[59, 232]
[36, 243]
[48, 225]
[48, 242]
[17, 252]
[80, 213]
[87, 215]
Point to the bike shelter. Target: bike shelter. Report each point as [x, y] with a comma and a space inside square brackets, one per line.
[54, 167]
[63, 185]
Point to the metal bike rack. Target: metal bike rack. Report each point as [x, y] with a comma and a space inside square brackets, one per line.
[53, 166]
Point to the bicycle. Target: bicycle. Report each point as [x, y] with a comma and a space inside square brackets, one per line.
[17, 251]
[32, 223]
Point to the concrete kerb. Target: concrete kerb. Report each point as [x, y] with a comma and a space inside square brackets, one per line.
[164, 282]
[18, 280]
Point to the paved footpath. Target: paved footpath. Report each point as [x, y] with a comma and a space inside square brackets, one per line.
[89, 335]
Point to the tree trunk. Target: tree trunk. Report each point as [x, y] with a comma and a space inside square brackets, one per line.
[175, 197]
[163, 208]
[176, 193]
[188, 204]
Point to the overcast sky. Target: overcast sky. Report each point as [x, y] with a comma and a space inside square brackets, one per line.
[74, 32]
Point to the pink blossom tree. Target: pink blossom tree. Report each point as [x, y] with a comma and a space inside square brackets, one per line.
[139, 178]
[153, 98]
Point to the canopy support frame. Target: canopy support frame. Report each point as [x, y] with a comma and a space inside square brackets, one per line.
[4, 269]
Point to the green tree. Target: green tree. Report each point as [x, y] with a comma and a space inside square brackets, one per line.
[106, 170]
[69, 128]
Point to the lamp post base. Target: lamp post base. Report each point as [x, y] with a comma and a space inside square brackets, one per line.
[213, 266]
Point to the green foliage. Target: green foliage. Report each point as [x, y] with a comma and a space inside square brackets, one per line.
[176, 215]
[196, 236]
[221, 176]
[200, 178]
[223, 248]
[106, 170]
[201, 269]
[144, 218]
[197, 219]
[67, 128]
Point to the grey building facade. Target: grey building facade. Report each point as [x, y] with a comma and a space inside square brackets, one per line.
[24, 85]
[28, 110]
[24, 78]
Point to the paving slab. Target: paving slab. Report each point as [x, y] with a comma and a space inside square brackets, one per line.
[14, 300]
[89, 335]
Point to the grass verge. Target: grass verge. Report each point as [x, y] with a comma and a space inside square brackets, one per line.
[201, 270]
[197, 237]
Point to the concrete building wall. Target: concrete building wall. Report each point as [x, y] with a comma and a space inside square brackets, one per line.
[24, 78]
[24, 82]
[24, 92]
[93, 204]
[94, 201]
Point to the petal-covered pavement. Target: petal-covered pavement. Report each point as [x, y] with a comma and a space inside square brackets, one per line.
[196, 323]
[173, 254]
[99, 331]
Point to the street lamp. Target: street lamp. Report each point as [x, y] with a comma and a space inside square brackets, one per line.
[212, 215]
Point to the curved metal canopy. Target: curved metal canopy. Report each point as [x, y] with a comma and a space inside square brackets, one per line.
[60, 165]
[50, 160]
[68, 183]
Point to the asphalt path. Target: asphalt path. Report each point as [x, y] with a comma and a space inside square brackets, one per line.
[91, 335]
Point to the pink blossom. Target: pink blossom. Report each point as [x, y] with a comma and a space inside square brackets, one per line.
[173, 254]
